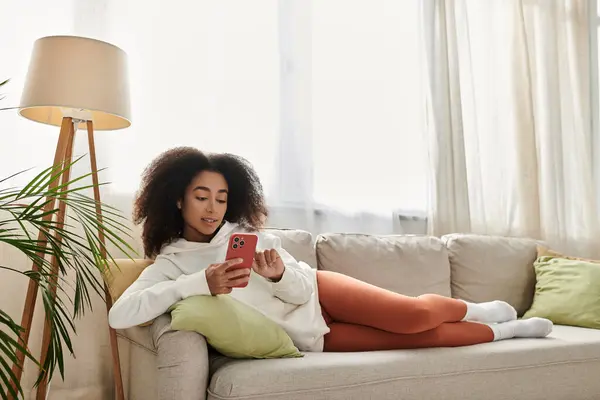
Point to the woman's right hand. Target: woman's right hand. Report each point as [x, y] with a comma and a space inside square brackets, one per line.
[222, 281]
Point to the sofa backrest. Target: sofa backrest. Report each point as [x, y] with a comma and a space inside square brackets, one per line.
[122, 273]
[488, 268]
[411, 265]
[298, 243]
[470, 267]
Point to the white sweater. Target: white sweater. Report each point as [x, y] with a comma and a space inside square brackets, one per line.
[179, 272]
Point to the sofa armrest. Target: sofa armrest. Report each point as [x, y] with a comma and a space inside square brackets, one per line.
[182, 363]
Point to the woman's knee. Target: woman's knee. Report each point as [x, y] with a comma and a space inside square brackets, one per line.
[430, 297]
[424, 315]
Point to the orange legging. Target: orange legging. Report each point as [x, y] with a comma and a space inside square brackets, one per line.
[363, 317]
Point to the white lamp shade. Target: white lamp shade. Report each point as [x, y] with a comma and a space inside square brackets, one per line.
[78, 77]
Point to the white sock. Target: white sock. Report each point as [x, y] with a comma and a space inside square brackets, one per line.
[492, 311]
[523, 328]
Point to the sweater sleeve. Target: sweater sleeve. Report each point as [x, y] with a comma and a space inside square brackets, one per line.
[158, 287]
[296, 286]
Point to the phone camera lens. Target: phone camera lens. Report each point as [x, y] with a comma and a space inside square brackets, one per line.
[237, 239]
[235, 246]
[242, 243]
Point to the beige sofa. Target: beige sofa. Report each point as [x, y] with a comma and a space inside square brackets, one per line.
[565, 365]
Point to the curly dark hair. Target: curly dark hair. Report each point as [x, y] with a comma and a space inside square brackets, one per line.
[164, 183]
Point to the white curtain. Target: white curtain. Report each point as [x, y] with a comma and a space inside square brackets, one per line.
[509, 120]
[325, 104]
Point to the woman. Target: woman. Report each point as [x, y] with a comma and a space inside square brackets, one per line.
[190, 203]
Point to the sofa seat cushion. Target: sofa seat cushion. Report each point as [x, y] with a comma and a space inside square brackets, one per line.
[406, 264]
[564, 365]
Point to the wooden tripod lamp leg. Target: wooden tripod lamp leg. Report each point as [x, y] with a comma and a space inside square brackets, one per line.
[112, 333]
[42, 388]
[32, 289]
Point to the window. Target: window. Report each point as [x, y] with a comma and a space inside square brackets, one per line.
[369, 144]
[203, 74]
[215, 75]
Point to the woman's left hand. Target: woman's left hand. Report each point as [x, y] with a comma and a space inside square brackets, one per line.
[268, 264]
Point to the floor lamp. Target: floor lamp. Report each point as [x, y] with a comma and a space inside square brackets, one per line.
[74, 82]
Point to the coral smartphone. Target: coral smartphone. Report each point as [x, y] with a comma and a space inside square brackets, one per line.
[242, 245]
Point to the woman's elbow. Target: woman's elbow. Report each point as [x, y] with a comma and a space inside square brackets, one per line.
[115, 321]
[306, 294]
[117, 318]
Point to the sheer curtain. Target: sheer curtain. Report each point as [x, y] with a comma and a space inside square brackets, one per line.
[509, 118]
[327, 109]
[325, 104]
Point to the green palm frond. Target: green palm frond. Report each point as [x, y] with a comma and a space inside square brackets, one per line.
[75, 248]
[8, 348]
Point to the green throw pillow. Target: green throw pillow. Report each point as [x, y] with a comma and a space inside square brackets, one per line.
[567, 292]
[232, 328]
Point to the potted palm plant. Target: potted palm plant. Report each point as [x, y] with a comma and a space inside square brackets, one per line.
[74, 246]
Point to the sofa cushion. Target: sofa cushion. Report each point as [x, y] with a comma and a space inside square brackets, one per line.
[567, 291]
[233, 328]
[411, 265]
[122, 273]
[564, 365]
[298, 243]
[488, 268]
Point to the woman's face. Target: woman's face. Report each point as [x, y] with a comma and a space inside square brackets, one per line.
[203, 206]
